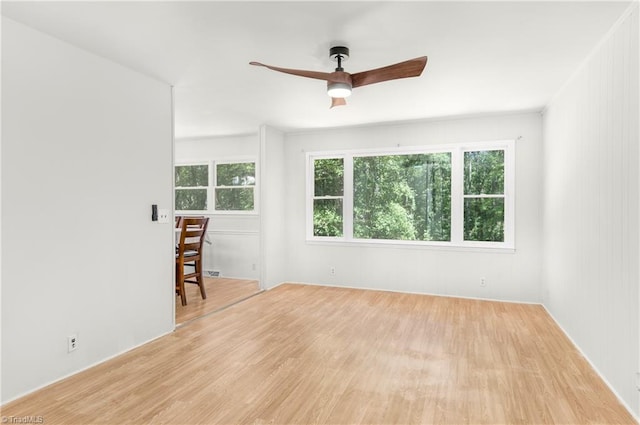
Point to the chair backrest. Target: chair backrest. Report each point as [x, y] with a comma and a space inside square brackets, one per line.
[193, 231]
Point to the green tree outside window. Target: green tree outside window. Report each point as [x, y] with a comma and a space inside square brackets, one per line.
[484, 196]
[328, 184]
[402, 197]
[234, 189]
[191, 183]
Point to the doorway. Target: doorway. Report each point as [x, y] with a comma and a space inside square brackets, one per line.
[216, 177]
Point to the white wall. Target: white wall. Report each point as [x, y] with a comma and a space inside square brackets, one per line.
[273, 225]
[591, 210]
[509, 276]
[86, 150]
[235, 238]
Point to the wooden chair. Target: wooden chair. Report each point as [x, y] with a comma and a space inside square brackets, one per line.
[189, 253]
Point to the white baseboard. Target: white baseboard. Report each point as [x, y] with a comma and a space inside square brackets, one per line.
[431, 294]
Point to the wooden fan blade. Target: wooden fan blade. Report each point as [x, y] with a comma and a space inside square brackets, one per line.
[337, 101]
[299, 72]
[406, 69]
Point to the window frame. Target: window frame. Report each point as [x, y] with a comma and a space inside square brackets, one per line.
[211, 186]
[215, 186]
[175, 187]
[457, 195]
[508, 207]
[314, 197]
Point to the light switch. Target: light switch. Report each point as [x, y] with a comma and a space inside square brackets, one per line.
[163, 216]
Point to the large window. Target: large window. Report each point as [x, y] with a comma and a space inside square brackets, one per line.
[402, 197]
[216, 186]
[454, 195]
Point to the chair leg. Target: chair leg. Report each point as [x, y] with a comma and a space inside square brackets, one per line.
[180, 283]
[200, 279]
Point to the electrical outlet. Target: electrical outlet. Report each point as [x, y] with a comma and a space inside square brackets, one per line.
[483, 281]
[253, 266]
[332, 271]
[72, 342]
[638, 381]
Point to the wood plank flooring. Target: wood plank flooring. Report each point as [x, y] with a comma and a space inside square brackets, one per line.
[302, 354]
[221, 292]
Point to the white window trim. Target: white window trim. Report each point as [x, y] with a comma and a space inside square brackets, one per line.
[310, 193]
[191, 163]
[457, 195]
[211, 197]
[254, 186]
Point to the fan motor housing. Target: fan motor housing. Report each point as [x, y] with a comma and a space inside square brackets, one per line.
[339, 51]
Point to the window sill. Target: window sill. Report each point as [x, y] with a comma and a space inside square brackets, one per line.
[435, 246]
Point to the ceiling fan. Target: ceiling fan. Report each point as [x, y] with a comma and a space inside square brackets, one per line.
[340, 83]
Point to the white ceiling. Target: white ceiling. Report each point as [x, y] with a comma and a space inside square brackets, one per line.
[484, 57]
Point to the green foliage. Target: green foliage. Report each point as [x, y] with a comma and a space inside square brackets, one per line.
[191, 199]
[192, 175]
[241, 177]
[484, 175]
[484, 172]
[484, 219]
[392, 222]
[234, 199]
[328, 177]
[408, 197]
[402, 197]
[327, 217]
[236, 174]
[237, 193]
[430, 179]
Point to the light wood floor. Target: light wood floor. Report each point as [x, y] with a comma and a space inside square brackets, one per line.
[302, 354]
[221, 292]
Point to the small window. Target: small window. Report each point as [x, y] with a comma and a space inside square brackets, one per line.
[192, 182]
[216, 186]
[235, 186]
[484, 196]
[328, 197]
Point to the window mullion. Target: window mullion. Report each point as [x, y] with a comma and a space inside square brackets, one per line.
[347, 202]
[457, 193]
[211, 192]
[484, 196]
[310, 194]
[509, 195]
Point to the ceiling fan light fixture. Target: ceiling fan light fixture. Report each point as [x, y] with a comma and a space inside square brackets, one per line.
[339, 90]
[340, 83]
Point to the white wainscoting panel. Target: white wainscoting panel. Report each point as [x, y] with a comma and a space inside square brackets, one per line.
[233, 253]
[590, 219]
